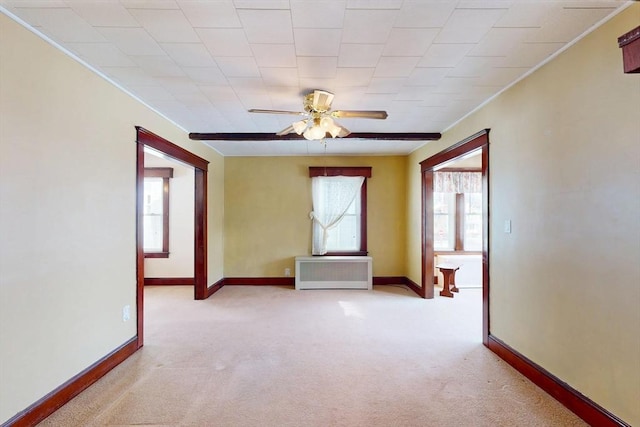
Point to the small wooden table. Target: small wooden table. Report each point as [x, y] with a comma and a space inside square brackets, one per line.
[449, 273]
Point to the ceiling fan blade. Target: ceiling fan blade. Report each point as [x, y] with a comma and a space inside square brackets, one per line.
[286, 131]
[322, 100]
[297, 113]
[369, 114]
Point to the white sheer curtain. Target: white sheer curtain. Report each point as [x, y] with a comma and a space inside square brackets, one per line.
[332, 196]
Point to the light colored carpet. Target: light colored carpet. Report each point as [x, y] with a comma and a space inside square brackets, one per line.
[273, 356]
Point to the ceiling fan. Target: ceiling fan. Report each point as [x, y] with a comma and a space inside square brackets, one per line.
[318, 119]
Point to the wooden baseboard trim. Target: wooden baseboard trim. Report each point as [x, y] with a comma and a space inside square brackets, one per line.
[74, 386]
[592, 413]
[169, 281]
[414, 287]
[389, 280]
[259, 281]
[215, 287]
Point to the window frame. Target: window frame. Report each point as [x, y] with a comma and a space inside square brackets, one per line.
[459, 217]
[165, 174]
[364, 171]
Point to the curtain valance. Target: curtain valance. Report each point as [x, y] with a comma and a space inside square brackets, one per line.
[457, 182]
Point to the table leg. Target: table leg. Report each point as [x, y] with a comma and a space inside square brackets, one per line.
[445, 292]
[454, 288]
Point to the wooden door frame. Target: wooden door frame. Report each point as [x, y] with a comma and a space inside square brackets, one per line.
[478, 141]
[144, 138]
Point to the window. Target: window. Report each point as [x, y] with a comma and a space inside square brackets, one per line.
[457, 211]
[349, 235]
[156, 212]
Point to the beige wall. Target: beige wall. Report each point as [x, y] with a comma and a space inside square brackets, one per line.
[181, 222]
[267, 205]
[565, 169]
[67, 215]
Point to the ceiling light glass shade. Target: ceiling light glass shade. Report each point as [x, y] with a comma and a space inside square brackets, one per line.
[314, 132]
[333, 128]
[300, 126]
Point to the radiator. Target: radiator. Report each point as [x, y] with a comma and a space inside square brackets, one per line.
[333, 272]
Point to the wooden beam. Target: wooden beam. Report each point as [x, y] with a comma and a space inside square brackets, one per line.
[292, 136]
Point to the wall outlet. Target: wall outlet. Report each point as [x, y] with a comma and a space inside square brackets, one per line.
[126, 313]
[287, 272]
[507, 226]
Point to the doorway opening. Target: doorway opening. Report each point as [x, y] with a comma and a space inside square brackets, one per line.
[146, 139]
[475, 144]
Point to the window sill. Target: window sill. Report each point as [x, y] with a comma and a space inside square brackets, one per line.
[350, 253]
[452, 252]
[156, 254]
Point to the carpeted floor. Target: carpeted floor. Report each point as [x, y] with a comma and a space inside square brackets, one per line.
[273, 356]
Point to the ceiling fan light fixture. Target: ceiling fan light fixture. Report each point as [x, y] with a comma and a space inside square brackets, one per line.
[319, 117]
[300, 126]
[315, 132]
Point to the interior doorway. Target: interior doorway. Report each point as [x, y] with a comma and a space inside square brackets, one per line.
[478, 143]
[144, 138]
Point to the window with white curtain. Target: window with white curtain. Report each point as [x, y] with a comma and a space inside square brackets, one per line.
[457, 211]
[339, 210]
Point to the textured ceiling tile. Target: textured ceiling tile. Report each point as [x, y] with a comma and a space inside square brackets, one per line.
[501, 41]
[445, 55]
[501, 76]
[359, 55]
[210, 14]
[104, 14]
[374, 4]
[317, 42]
[409, 41]
[150, 4]
[414, 93]
[367, 26]
[166, 25]
[152, 93]
[267, 26]
[33, 3]
[132, 41]
[308, 84]
[62, 25]
[528, 14]
[353, 76]
[129, 76]
[317, 14]
[262, 4]
[529, 54]
[246, 84]
[427, 76]
[370, 64]
[274, 55]
[287, 98]
[473, 66]
[279, 76]
[468, 25]
[387, 85]
[219, 93]
[376, 101]
[396, 66]
[101, 54]
[225, 42]
[424, 14]
[189, 54]
[205, 75]
[317, 67]
[238, 67]
[568, 24]
[159, 66]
